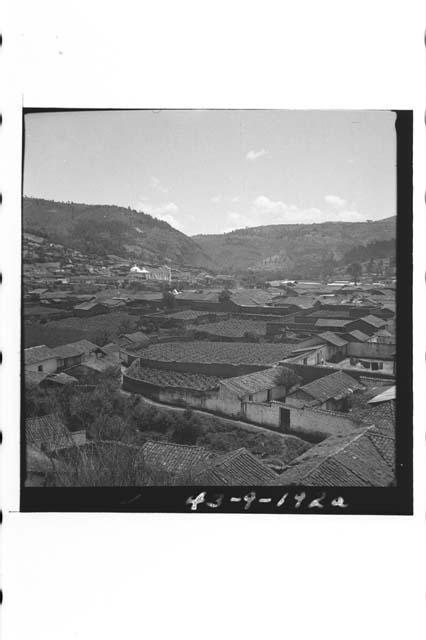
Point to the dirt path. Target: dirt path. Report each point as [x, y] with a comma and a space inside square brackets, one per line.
[247, 426]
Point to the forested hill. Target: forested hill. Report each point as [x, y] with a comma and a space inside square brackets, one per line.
[299, 250]
[103, 229]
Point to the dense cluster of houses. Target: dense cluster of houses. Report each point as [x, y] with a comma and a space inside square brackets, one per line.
[309, 360]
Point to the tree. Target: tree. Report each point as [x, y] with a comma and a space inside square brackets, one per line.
[355, 271]
[224, 296]
[187, 428]
[286, 378]
[168, 300]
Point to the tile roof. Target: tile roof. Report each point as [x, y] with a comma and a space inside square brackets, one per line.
[164, 378]
[86, 306]
[304, 302]
[253, 382]
[332, 322]
[336, 385]
[327, 313]
[334, 339]
[62, 378]
[38, 354]
[68, 351]
[359, 335]
[218, 352]
[232, 328]
[136, 337]
[374, 321]
[239, 467]
[173, 458]
[188, 314]
[364, 457]
[47, 431]
[388, 394]
[35, 377]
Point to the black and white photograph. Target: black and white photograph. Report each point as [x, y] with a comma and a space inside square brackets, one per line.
[213, 313]
[209, 299]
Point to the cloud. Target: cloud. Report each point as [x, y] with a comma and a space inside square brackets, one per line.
[335, 201]
[216, 199]
[155, 184]
[166, 212]
[236, 199]
[265, 210]
[254, 155]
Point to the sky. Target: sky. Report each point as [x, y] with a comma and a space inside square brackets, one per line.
[212, 171]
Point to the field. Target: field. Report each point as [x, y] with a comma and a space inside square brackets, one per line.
[217, 352]
[72, 329]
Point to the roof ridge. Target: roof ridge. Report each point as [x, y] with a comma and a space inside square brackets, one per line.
[334, 453]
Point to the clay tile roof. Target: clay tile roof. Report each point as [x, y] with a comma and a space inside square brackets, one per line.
[38, 354]
[374, 321]
[252, 382]
[332, 322]
[363, 458]
[136, 337]
[239, 467]
[331, 337]
[46, 431]
[336, 385]
[177, 459]
[359, 335]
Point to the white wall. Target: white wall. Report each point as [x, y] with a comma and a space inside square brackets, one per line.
[49, 366]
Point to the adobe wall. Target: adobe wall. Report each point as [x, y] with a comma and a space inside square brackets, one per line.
[309, 424]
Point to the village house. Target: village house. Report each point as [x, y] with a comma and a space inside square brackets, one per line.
[363, 458]
[87, 309]
[331, 393]
[48, 433]
[40, 359]
[73, 353]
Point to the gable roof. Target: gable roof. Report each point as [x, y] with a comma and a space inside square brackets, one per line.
[362, 458]
[48, 431]
[135, 337]
[252, 382]
[388, 394]
[38, 354]
[86, 306]
[334, 386]
[332, 338]
[375, 322]
[359, 335]
[332, 322]
[239, 467]
[68, 351]
[173, 458]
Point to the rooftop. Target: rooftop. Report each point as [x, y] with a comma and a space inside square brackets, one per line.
[332, 338]
[38, 354]
[253, 382]
[239, 467]
[177, 459]
[336, 385]
[375, 322]
[365, 457]
[218, 352]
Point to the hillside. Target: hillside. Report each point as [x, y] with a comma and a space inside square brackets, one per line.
[299, 250]
[103, 229]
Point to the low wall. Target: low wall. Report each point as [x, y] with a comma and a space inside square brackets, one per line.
[309, 424]
[173, 395]
[310, 373]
